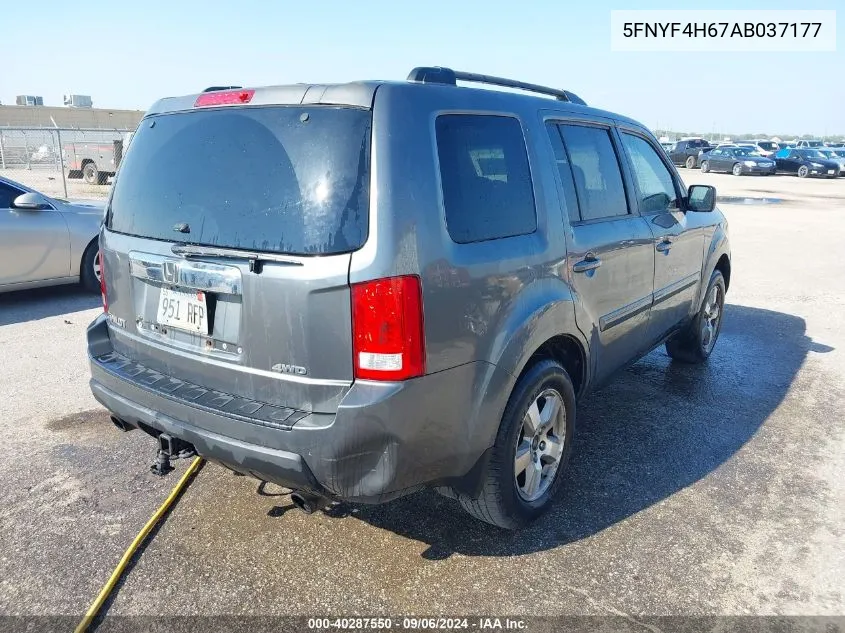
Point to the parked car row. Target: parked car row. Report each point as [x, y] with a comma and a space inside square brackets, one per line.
[738, 160]
[807, 158]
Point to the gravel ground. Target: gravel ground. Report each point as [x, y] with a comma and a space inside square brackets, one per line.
[707, 490]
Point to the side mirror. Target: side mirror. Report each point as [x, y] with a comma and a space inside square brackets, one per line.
[31, 202]
[701, 198]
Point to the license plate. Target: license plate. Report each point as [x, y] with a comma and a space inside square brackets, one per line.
[830, 171]
[185, 310]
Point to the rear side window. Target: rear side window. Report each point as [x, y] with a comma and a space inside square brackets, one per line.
[595, 168]
[487, 189]
[284, 179]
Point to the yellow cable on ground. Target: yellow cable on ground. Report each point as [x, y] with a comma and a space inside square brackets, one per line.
[127, 555]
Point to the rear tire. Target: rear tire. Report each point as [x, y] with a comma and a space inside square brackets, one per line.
[803, 171]
[705, 166]
[690, 163]
[696, 341]
[90, 174]
[89, 271]
[525, 473]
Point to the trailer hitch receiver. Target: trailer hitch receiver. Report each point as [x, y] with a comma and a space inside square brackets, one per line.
[170, 448]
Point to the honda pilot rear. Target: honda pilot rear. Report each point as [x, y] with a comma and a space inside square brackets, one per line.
[229, 317]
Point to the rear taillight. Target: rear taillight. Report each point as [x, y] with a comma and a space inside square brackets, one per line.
[223, 97]
[388, 339]
[102, 263]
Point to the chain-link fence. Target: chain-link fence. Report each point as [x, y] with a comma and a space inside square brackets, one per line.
[62, 161]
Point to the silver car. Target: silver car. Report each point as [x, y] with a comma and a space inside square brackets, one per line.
[47, 241]
[836, 155]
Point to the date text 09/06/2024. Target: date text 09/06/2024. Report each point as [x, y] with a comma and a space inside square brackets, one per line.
[418, 624]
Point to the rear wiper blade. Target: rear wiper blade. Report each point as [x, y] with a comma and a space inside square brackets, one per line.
[256, 260]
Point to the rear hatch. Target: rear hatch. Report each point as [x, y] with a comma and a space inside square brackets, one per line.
[227, 246]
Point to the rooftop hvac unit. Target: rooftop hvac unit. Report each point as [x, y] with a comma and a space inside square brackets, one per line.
[29, 100]
[78, 101]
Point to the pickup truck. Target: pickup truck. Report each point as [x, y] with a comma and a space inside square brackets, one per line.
[687, 151]
[94, 162]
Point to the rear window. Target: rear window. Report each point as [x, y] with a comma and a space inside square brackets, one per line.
[287, 179]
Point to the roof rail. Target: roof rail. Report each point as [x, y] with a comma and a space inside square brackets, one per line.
[447, 76]
[216, 88]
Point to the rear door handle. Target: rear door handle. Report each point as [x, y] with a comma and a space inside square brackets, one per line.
[664, 245]
[590, 262]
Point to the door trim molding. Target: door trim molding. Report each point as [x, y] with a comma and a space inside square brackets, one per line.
[625, 312]
[641, 305]
[674, 288]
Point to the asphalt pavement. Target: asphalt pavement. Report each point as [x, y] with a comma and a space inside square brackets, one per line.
[711, 490]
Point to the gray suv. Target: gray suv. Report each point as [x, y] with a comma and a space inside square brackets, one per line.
[358, 290]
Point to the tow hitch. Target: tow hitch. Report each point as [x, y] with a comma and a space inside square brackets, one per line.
[170, 448]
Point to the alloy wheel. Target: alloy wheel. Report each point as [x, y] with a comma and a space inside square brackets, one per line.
[539, 445]
[710, 319]
[97, 267]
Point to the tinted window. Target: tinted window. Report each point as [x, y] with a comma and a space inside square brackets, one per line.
[7, 195]
[595, 169]
[487, 191]
[565, 171]
[655, 186]
[283, 179]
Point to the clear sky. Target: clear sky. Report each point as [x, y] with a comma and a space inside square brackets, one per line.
[127, 54]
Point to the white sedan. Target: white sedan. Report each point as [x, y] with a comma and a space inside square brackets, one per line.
[47, 241]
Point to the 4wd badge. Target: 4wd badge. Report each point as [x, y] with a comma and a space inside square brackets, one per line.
[284, 368]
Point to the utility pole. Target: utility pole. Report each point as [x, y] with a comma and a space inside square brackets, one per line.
[61, 155]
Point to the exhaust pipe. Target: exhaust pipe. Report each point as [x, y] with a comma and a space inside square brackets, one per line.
[308, 503]
[123, 426]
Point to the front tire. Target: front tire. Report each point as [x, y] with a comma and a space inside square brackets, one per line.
[705, 166]
[531, 450]
[690, 162]
[90, 269]
[695, 343]
[803, 171]
[737, 169]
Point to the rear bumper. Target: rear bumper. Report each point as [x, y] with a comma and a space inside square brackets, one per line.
[385, 440]
[269, 464]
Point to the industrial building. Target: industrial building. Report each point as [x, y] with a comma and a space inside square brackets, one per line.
[68, 117]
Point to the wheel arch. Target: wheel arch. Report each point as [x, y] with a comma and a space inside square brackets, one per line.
[543, 326]
[723, 265]
[569, 352]
[717, 257]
